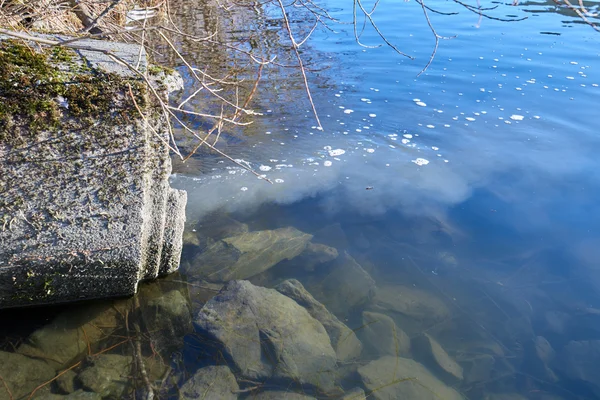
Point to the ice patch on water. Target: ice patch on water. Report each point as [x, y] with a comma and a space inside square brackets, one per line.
[336, 152]
[421, 161]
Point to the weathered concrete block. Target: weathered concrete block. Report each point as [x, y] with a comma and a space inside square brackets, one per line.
[86, 210]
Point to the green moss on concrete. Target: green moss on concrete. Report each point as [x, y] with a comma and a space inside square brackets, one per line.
[41, 88]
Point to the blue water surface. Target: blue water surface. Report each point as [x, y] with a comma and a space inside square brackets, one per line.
[477, 179]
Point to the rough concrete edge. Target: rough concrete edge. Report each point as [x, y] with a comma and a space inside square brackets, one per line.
[156, 186]
[174, 226]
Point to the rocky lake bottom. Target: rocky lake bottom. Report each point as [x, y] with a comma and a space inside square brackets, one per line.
[353, 310]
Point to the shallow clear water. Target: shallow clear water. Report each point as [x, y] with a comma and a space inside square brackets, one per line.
[473, 185]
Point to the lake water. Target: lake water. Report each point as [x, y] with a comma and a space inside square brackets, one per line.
[471, 189]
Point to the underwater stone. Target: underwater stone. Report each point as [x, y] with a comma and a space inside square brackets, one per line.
[86, 208]
[213, 382]
[429, 352]
[22, 374]
[343, 339]
[281, 395]
[168, 318]
[392, 378]
[411, 302]
[539, 354]
[579, 361]
[265, 334]
[346, 287]
[66, 382]
[314, 255]
[77, 395]
[354, 394]
[63, 342]
[108, 375]
[478, 368]
[383, 336]
[248, 254]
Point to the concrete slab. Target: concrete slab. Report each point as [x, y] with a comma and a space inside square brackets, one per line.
[86, 210]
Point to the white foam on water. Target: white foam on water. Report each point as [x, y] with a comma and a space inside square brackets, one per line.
[348, 111]
[279, 180]
[327, 163]
[471, 119]
[243, 188]
[435, 148]
[264, 168]
[372, 115]
[430, 126]
[517, 117]
[370, 150]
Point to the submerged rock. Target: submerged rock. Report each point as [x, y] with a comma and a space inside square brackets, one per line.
[354, 394]
[220, 227]
[77, 395]
[411, 302]
[265, 334]
[168, 318]
[248, 254]
[213, 382]
[429, 352]
[346, 287]
[66, 382]
[107, 374]
[315, 254]
[383, 336]
[22, 374]
[63, 341]
[579, 361]
[478, 368]
[343, 339]
[332, 235]
[281, 395]
[505, 396]
[392, 378]
[539, 354]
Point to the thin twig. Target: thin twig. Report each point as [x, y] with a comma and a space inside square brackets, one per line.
[300, 63]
